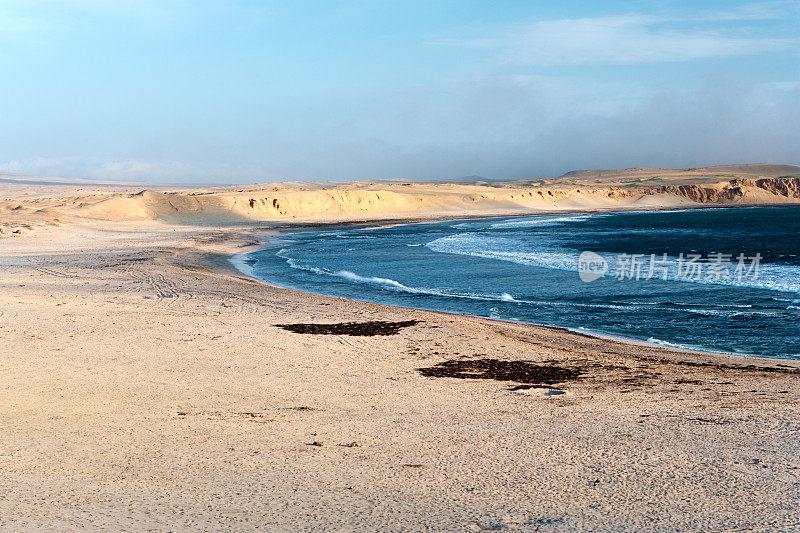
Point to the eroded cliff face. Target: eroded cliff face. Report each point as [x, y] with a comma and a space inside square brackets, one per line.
[424, 200]
[381, 201]
[737, 190]
[706, 195]
[788, 187]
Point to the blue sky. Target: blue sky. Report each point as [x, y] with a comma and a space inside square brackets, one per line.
[246, 91]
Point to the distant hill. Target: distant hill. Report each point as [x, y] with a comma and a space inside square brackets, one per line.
[670, 176]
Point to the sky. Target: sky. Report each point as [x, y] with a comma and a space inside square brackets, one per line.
[206, 91]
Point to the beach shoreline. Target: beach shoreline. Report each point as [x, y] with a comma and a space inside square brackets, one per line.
[238, 260]
[696, 355]
[150, 385]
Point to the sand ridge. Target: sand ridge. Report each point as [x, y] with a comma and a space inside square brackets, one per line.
[24, 207]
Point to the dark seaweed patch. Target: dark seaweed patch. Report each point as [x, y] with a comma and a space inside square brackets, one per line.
[359, 329]
[519, 371]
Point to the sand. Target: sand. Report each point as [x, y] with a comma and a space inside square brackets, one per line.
[146, 386]
[27, 204]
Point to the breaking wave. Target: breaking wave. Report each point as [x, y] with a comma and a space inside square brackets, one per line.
[785, 278]
[390, 284]
[543, 221]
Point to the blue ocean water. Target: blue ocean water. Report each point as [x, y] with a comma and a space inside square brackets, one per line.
[732, 275]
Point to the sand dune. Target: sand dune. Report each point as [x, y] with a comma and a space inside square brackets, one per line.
[54, 203]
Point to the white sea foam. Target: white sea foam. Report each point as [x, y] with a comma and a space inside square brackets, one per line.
[475, 245]
[372, 280]
[659, 342]
[556, 220]
[390, 284]
[243, 264]
[542, 221]
[730, 313]
[785, 278]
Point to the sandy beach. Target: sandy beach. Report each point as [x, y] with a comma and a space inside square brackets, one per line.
[365, 265]
[147, 385]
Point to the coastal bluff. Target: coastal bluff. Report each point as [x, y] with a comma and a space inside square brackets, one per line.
[726, 185]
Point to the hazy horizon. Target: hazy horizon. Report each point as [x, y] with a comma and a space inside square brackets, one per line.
[234, 92]
[112, 181]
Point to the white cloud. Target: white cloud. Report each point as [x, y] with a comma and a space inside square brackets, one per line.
[631, 39]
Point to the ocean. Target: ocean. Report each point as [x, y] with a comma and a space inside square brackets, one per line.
[718, 280]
